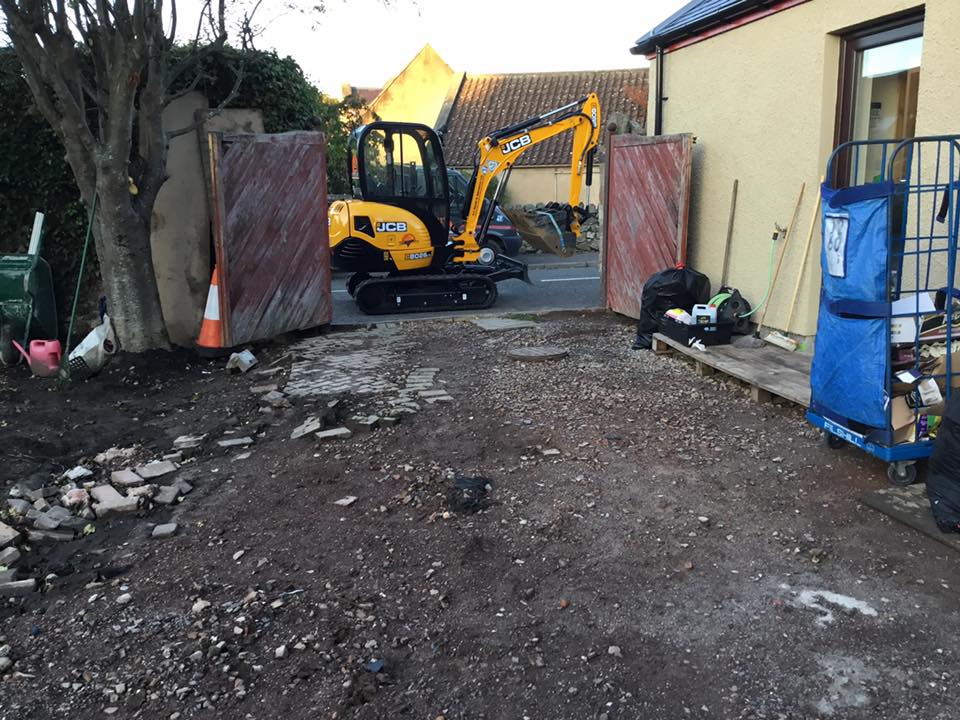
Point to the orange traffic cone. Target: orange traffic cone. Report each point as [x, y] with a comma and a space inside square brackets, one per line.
[211, 332]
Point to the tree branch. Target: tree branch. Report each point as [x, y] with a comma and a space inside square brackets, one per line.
[238, 80]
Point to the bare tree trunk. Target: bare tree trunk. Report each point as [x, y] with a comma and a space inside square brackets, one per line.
[126, 267]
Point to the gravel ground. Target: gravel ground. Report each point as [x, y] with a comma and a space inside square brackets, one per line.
[645, 544]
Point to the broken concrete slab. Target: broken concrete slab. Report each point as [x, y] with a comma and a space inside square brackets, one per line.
[310, 425]
[367, 422]
[548, 452]
[261, 389]
[274, 398]
[492, 324]
[8, 575]
[18, 506]
[59, 513]
[43, 536]
[164, 531]
[8, 556]
[389, 420]
[126, 478]
[439, 399]
[346, 501]
[18, 587]
[340, 433]
[166, 494]
[45, 522]
[183, 486]
[432, 393]
[7, 535]
[155, 469]
[235, 442]
[142, 491]
[41, 505]
[111, 502]
[174, 457]
[42, 493]
[75, 473]
[188, 442]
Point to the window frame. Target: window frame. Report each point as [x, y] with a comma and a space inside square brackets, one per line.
[884, 31]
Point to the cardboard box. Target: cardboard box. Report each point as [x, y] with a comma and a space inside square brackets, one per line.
[901, 418]
[940, 368]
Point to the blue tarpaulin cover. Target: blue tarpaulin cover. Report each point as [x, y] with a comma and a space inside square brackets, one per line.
[849, 361]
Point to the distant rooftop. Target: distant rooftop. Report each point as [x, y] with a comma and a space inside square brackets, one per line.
[484, 103]
[366, 94]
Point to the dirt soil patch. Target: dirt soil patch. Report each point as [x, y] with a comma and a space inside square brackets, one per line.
[644, 543]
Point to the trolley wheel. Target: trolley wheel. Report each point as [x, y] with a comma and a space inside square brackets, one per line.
[902, 474]
[834, 442]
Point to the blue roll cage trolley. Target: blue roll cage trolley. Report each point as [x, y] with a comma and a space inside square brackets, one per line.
[890, 219]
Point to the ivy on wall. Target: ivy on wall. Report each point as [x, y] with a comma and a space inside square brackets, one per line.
[34, 175]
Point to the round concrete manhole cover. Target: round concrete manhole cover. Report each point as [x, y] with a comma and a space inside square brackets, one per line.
[537, 353]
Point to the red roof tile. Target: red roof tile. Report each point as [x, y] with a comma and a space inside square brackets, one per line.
[488, 102]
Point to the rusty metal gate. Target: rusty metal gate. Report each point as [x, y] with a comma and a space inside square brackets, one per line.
[270, 233]
[646, 201]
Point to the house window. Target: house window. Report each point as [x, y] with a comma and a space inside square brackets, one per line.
[879, 85]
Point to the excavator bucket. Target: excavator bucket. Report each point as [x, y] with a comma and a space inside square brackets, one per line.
[553, 229]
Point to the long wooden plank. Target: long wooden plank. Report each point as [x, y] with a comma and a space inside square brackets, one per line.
[910, 506]
[768, 368]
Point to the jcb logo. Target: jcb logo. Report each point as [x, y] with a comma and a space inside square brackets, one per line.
[387, 227]
[515, 144]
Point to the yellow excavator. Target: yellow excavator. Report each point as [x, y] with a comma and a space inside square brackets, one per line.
[395, 233]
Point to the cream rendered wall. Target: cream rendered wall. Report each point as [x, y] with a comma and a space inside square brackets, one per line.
[550, 184]
[761, 100]
[546, 184]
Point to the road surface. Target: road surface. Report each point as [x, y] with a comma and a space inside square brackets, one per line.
[557, 285]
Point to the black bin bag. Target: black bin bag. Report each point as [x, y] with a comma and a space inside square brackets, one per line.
[943, 476]
[678, 287]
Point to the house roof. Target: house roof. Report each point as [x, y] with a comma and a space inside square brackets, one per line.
[692, 19]
[427, 56]
[486, 103]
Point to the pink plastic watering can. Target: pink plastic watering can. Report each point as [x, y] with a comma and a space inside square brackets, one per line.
[44, 356]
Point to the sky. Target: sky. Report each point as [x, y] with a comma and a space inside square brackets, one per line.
[367, 42]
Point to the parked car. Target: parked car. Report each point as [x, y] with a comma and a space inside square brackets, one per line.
[502, 235]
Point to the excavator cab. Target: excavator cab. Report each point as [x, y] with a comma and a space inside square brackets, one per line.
[401, 165]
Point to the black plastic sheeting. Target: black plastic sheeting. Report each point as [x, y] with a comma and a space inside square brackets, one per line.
[674, 288]
[943, 476]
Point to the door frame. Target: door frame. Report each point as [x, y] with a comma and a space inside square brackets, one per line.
[883, 31]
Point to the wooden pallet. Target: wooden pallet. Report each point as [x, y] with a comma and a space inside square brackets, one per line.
[770, 371]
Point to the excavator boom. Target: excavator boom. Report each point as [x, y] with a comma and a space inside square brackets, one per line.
[499, 152]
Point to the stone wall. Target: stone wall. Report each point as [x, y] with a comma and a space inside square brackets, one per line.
[591, 230]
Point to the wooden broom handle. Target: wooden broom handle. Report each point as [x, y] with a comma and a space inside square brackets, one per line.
[783, 251]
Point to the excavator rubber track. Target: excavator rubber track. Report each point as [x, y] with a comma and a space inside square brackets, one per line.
[425, 293]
